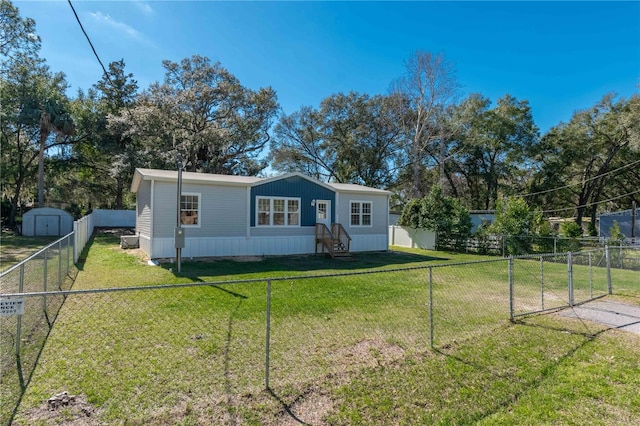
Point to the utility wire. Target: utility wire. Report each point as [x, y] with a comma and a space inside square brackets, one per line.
[89, 40]
[582, 182]
[104, 69]
[592, 204]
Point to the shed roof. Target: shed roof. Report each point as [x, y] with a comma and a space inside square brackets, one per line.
[245, 181]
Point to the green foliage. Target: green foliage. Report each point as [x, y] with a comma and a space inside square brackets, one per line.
[202, 111]
[515, 221]
[17, 35]
[545, 236]
[616, 237]
[583, 153]
[439, 213]
[351, 138]
[493, 146]
[34, 107]
[571, 230]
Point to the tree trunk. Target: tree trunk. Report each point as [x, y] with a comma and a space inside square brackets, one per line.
[45, 124]
[119, 190]
[14, 206]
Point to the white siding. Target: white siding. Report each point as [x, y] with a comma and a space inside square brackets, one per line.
[143, 209]
[369, 243]
[223, 210]
[379, 217]
[234, 246]
[145, 245]
[282, 231]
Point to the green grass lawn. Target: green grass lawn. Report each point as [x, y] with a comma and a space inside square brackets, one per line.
[344, 350]
[14, 248]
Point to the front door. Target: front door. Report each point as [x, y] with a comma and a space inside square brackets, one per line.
[323, 212]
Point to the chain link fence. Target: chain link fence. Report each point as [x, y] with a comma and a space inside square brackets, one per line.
[153, 354]
[22, 336]
[554, 281]
[503, 245]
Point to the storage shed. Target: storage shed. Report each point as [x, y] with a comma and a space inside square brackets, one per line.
[46, 222]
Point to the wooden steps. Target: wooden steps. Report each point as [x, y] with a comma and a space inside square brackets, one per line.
[335, 240]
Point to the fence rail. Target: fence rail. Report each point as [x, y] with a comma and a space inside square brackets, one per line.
[232, 337]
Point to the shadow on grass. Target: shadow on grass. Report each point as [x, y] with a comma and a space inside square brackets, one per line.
[500, 363]
[313, 263]
[286, 407]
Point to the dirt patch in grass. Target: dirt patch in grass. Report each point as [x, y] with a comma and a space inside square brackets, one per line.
[311, 409]
[73, 411]
[368, 353]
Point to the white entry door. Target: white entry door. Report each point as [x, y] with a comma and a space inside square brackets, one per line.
[323, 212]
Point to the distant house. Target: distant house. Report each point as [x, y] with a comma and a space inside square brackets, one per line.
[224, 215]
[624, 218]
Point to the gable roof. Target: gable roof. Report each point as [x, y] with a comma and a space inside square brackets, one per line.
[245, 181]
[294, 174]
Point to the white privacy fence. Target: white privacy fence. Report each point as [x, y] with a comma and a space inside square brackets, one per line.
[413, 238]
[83, 228]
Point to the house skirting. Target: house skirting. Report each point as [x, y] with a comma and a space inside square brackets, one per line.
[160, 248]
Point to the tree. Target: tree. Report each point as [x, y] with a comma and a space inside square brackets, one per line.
[202, 111]
[34, 107]
[298, 145]
[439, 213]
[17, 35]
[492, 148]
[351, 138]
[516, 222]
[428, 87]
[108, 157]
[595, 155]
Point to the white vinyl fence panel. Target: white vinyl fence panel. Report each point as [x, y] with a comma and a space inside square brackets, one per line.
[412, 238]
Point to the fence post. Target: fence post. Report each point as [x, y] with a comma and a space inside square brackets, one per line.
[431, 306]
[608, 258]
[570, 277]
[19, 321]
[44, 284]
[268, 337]
[542, 282]
[511, 287]
[69, 240]
[75, 241]
[60, 264]
[590, 278]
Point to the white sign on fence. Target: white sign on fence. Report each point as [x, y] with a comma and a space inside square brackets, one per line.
[10, 307]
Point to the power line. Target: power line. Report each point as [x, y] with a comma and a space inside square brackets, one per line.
[89, 40]
[104, 69]
[582, 182]
[592, 204]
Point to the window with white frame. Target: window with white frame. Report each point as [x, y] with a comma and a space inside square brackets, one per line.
[361, 212]
[190, 209]
[278, 211]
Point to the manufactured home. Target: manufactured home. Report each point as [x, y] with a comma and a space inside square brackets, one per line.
[222, 215]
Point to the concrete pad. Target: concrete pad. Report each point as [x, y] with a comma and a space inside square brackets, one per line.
[612, 314]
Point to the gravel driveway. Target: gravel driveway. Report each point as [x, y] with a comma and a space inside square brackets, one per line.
[610, 313]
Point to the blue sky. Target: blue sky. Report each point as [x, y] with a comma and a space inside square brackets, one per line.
[560, 56]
